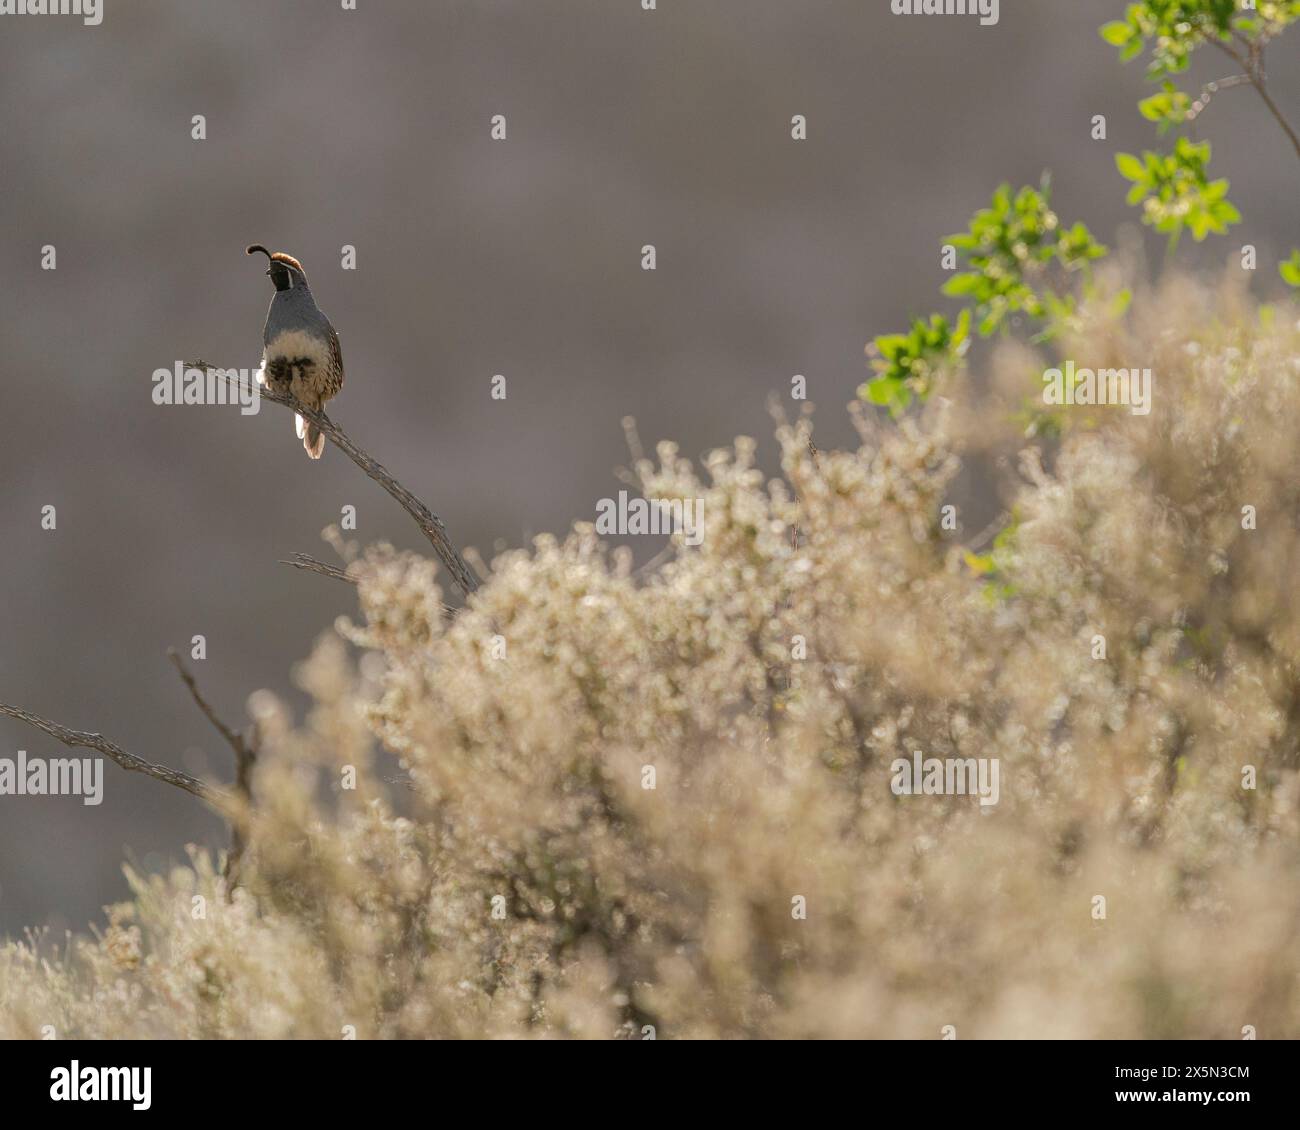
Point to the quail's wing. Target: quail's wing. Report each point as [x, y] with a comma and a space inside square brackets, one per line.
[336, 355]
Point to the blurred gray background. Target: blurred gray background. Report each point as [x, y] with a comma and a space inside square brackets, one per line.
[371, 127]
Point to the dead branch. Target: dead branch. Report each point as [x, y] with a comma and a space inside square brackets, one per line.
[245, 749]
[235, 740]
[129, 761]
[430, 524]
[310, 564]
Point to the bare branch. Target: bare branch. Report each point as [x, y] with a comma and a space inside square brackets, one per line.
[245, 758]
[235, 741]
[239, 821]
[114, 752]
[405, 782]
[310, 564]
[1210, 89]
[1262, 91]
[1252, 63]
[988, 531]
[430, 524]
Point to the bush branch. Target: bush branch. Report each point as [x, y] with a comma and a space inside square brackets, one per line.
[114, 752]
[236, 741]
[245, 749]
[1251, 60]
[430, 524]
[310, 564]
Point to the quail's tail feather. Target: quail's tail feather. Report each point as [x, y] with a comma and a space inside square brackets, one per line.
[313, 439]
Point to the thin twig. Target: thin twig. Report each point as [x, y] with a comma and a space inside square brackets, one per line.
[658, 559]
[405, 782]
[995, 526]
[310, 564]
[245, 749]
[244, 763]
[235, 741]
[1258, 83]
[817, 466]
[114, 752]
[430, 524]
[1252, 63]
[1210, 89]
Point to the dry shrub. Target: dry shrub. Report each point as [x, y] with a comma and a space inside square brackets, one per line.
[535, 887]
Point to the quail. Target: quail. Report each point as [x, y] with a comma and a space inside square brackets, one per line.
[301, 353]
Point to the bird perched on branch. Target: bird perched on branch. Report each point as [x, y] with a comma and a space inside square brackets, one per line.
[301, 353]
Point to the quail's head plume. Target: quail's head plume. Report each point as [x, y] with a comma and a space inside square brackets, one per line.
[300, 350]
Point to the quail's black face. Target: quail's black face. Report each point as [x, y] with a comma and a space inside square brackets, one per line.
[284, 270]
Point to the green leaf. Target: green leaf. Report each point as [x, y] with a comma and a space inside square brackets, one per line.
[1172, 30]
[1130, 167]
[1226, 213]
[883, 390]
[1117, 33]
[1290, 270]
[961, 285]
[1154, 108]
[1175, 193]
[1007, 245]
